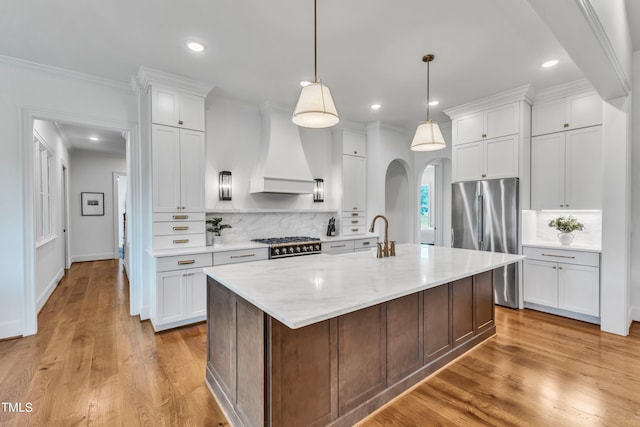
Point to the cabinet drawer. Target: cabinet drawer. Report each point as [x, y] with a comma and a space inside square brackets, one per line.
[349, 230]
[357, 214]
[183, 262]
[365, 244]
[562, 255]
[177, 228]
[178, 216]
[338, 247]
[353, 221]
[179, 241]
[245, 255]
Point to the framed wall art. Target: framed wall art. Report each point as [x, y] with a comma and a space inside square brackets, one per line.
[92, 204]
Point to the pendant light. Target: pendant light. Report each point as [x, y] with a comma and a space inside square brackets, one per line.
[428, 136]
[315, 107]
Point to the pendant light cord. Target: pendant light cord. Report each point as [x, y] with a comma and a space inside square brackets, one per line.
[315, 41]
[428, 62]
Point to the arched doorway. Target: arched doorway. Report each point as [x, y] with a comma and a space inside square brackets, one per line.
[433, 200]
[398, 202]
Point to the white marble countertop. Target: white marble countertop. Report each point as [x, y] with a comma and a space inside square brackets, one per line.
[300, 291]
[224, 247]
[572, 247]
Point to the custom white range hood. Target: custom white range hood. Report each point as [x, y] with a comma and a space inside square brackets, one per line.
[282, 167]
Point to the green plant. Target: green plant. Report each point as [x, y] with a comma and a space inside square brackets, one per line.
[566, 224]
[214, 226]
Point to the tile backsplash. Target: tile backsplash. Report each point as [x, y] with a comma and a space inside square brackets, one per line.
[259, 225]
[535, 226]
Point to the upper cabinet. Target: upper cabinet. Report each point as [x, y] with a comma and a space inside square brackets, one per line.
[174, 108]
[492, 123]
[567, 113]
[350, 148]
[490, 137]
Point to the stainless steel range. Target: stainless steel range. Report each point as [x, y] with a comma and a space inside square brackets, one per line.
[281, 247]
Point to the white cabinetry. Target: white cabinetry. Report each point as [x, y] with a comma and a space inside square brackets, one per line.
[349, 246]
[174, 108]
[490, 138]
[178, 169]
[563, 282]
[353, 176]
[180, 293]
[571, 112]
[566, 170]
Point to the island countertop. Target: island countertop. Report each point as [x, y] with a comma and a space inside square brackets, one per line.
[300, 291]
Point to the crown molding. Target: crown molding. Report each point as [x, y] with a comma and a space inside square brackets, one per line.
[587, 9]
[522, 93]
[563, 90]
[61, 72]
[149, 76]
[65, 140]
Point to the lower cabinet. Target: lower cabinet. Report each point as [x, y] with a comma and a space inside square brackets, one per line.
[349, 246]
[563, 282]
[181, 291]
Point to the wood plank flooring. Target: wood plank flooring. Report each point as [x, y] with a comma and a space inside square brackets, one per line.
[92, 364]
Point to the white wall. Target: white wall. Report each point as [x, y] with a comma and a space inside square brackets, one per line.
[635, 194]
[92, 237]
[49, 257]
[233, 135]
[43, 92]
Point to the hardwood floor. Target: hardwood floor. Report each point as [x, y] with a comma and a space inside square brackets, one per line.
[91, 363]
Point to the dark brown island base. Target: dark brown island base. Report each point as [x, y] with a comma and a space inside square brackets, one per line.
[336, 371]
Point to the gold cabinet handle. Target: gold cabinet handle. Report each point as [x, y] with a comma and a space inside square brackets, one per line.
[180, 122]
[180, 217]
[354, 214]
[354, 229]
[181, 228]
[484, 175]
[186, 261]
[566, 125]
[484, 135]
[338, 246]
[242, 256]
[181, 241]
[367, 243]
[354, 221]
[559, 256]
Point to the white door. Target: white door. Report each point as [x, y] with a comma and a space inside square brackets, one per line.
[468, 161]
[584, 110]
[171, 297]
[548, 117]
[192, 171]
[468, 128]
[165, 152]
[501, 121]
[583, 173]
[547, 171]
[541, 282]
[191, 112]
[196, 285]
[579, 289]
[164, 106]
[501, 157]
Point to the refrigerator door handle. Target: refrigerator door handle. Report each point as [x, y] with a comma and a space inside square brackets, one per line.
[480, 214]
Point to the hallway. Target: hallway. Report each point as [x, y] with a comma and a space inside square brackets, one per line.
[91, 363]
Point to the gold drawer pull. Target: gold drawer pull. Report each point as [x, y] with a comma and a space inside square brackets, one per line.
[180, 216]
[338, 246]
[181, 241]
[366, 243]
[354, 214]
[354, 229]
[186, 261]
[559, 256]
[354, 221]
[242, 256]
[182, 228]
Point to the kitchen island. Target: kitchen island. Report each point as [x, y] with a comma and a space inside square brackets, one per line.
[326, 340]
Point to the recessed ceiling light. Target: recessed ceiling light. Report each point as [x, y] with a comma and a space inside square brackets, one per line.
[433, 103]
[305, 83]
[550, 63]
[195, 46]
[94, 138]
[375, 106]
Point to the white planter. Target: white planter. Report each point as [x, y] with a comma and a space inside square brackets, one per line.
[565, 238]
[210, 237]
[218, 240]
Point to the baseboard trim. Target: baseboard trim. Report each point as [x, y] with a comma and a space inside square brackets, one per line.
[635, 314]
[44, 296]
[92, 257]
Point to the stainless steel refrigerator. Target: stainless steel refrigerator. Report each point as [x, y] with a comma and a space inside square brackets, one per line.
[484, 217]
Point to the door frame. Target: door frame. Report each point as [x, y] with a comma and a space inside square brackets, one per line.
[30, 311]
[65, 215]
[116, 213]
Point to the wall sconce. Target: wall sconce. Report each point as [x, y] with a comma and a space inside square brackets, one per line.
[318, 191]
[224, 185]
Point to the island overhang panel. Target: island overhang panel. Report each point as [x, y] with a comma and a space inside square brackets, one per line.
[328, 340]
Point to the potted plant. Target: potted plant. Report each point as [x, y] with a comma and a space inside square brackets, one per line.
[566, 226]
[214, 227]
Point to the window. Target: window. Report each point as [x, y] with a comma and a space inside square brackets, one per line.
[43, 190]
[425, 218]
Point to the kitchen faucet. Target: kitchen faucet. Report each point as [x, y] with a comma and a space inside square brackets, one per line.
[389, 248]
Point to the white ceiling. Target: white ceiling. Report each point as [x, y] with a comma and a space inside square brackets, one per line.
[368, 50]
[78, 138]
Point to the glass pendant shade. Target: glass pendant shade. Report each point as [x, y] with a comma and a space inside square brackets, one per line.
[315, 107]
[428, 137]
